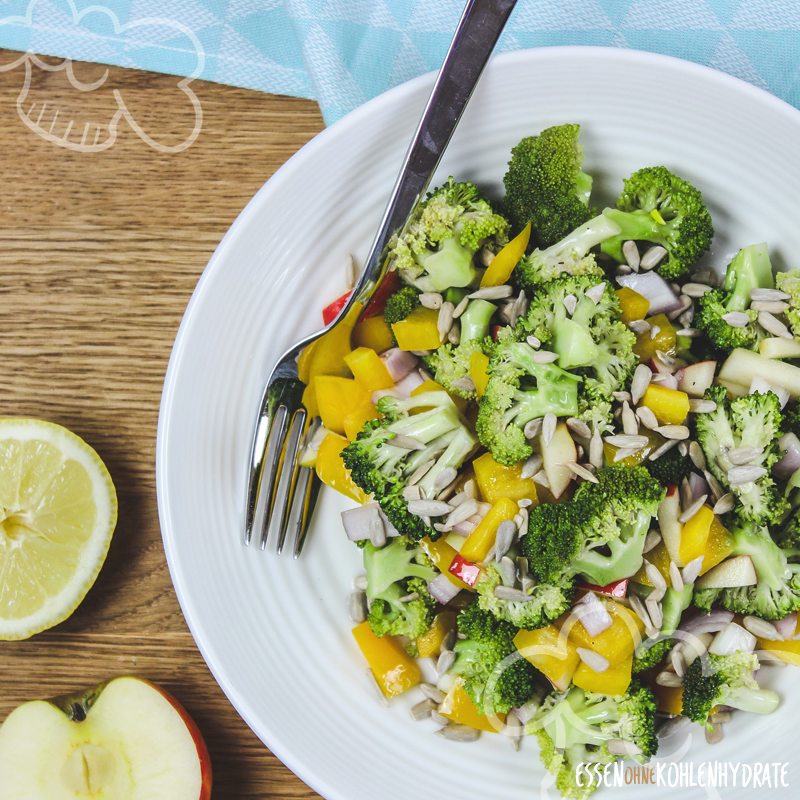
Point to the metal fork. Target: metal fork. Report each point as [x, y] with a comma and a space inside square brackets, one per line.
[280, 493]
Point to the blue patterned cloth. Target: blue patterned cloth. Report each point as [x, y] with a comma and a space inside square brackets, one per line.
[343, 52]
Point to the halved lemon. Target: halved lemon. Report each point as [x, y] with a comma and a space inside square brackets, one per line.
[58, 509]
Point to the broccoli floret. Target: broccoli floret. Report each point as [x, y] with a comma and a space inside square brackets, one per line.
[671, 468]
[545, 185]
[547, 602]
[436, 249]
[576, 727]
[519, 390]
[750, 421]
[777, 592]
[382, 469]
[750, 269]
[569, 256]
[489, 642]
[401, 304]
[600, 533]
[658, 207]
[791, 421]
[651, 653]
[724, 680]
[704, 599]
[450, 364]
[789, 282]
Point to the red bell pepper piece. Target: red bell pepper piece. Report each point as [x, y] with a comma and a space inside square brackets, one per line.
[389, 285]
[465, 570]
[616, 589]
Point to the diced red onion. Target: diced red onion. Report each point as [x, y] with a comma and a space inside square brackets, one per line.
[698, 485]
[761, 385]
[364, 522]
[786, 626]
[668, 382]
[398, 362]
[526, 713]
[411, 381]
[707, 623]
[593, 615]
[790, 463]
[732, 639]
[652, 286]
[443, 589]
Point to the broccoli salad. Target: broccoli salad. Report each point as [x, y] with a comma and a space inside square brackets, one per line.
[575, 454]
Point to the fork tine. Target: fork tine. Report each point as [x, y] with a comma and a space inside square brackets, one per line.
[270, 471]
[303, 504]
[288, 477]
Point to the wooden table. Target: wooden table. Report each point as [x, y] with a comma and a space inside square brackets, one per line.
[99, 254]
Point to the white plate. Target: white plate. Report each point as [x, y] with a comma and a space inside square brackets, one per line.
[275, 632]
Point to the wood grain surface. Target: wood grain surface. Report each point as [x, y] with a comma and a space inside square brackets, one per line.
[99, 254]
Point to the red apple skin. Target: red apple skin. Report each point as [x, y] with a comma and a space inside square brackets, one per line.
[200, 744]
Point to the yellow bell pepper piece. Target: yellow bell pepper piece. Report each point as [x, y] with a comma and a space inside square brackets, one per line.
[669, 699]
[328, 356]
[704, 535]
[432, 386]
[634, 305]
[357, 418]
[336, 398]
[550, 652]
[373, 333]
[310, 400]
[332, 471]
[430, 643]
[616, 642]
[659, 558]
[419, 330]
[304, 362]
[368, 369]
[458, 706]
[394, 670]
[671, 406]
[499, 271]
[442, 555]
[481, 541]
[496, 481]
[615, 680]
[664, 340]
[478, 371]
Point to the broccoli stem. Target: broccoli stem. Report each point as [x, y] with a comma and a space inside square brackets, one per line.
[750, 269]
[633, 225]
[457, 451]
[584, 238]
[455, 295]
[672, 606]
[768, 559]
[756, 701]
[475, 320]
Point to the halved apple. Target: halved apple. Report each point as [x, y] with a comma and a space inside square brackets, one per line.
[126, 739]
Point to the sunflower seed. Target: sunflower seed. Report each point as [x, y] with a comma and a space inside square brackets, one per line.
[570, 303]
[639, 326]
[458, 499]
[407, 598]
[579, 428]
[762, 629]
[422, 710]
[691, 571]
[697, 455]
[714, 735]
[686, 304]
[454, 335]
[639, 609]
[624, 269]
[666, 729]
[444, 478]
[360, 583]
[439, 719]
[686, 492]
[533, 428]
[647, 417]
[716, 490]
[470, 489]
[544, 357]
[428, 508]
[695, 289]
[772, 306]
[667, 678]
[533, 342]
[654, 331]
[525, 502]
[666, 359]
[531, 466]
[509, 593]
[507, 570]
[492, 293]
[465, 384]
[445, 661]
[736, 319]
[721, 716]
[630, 424]
[549, 427]
[417, 476]
[652, 539]
[654, 609]
[673, 431]
[460, 308]
[767, 659]
[675, 577]
[462, 513]
[514, 730]
[743, 455]
[522, 525]
[541, 478]
[593, 660]
[596, 292]
[505, 536]
[357, 606]
[456, 732]
[581, 471]
[652, 257]
[693, 509]
[724, 504]
[626, 440]
[655, 576]
[704, 276]
[739, 475]
[432, 693]
[773, 325]
[431, 300]
[414, 492]
[768, 294]
[631, 253]
[668, 445]
[445, 319]
[378, 690]
[689, 333]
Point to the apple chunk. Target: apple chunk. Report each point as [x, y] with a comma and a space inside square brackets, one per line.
[123, 740]
[736, 571]
[696, 378]
[555, 457]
